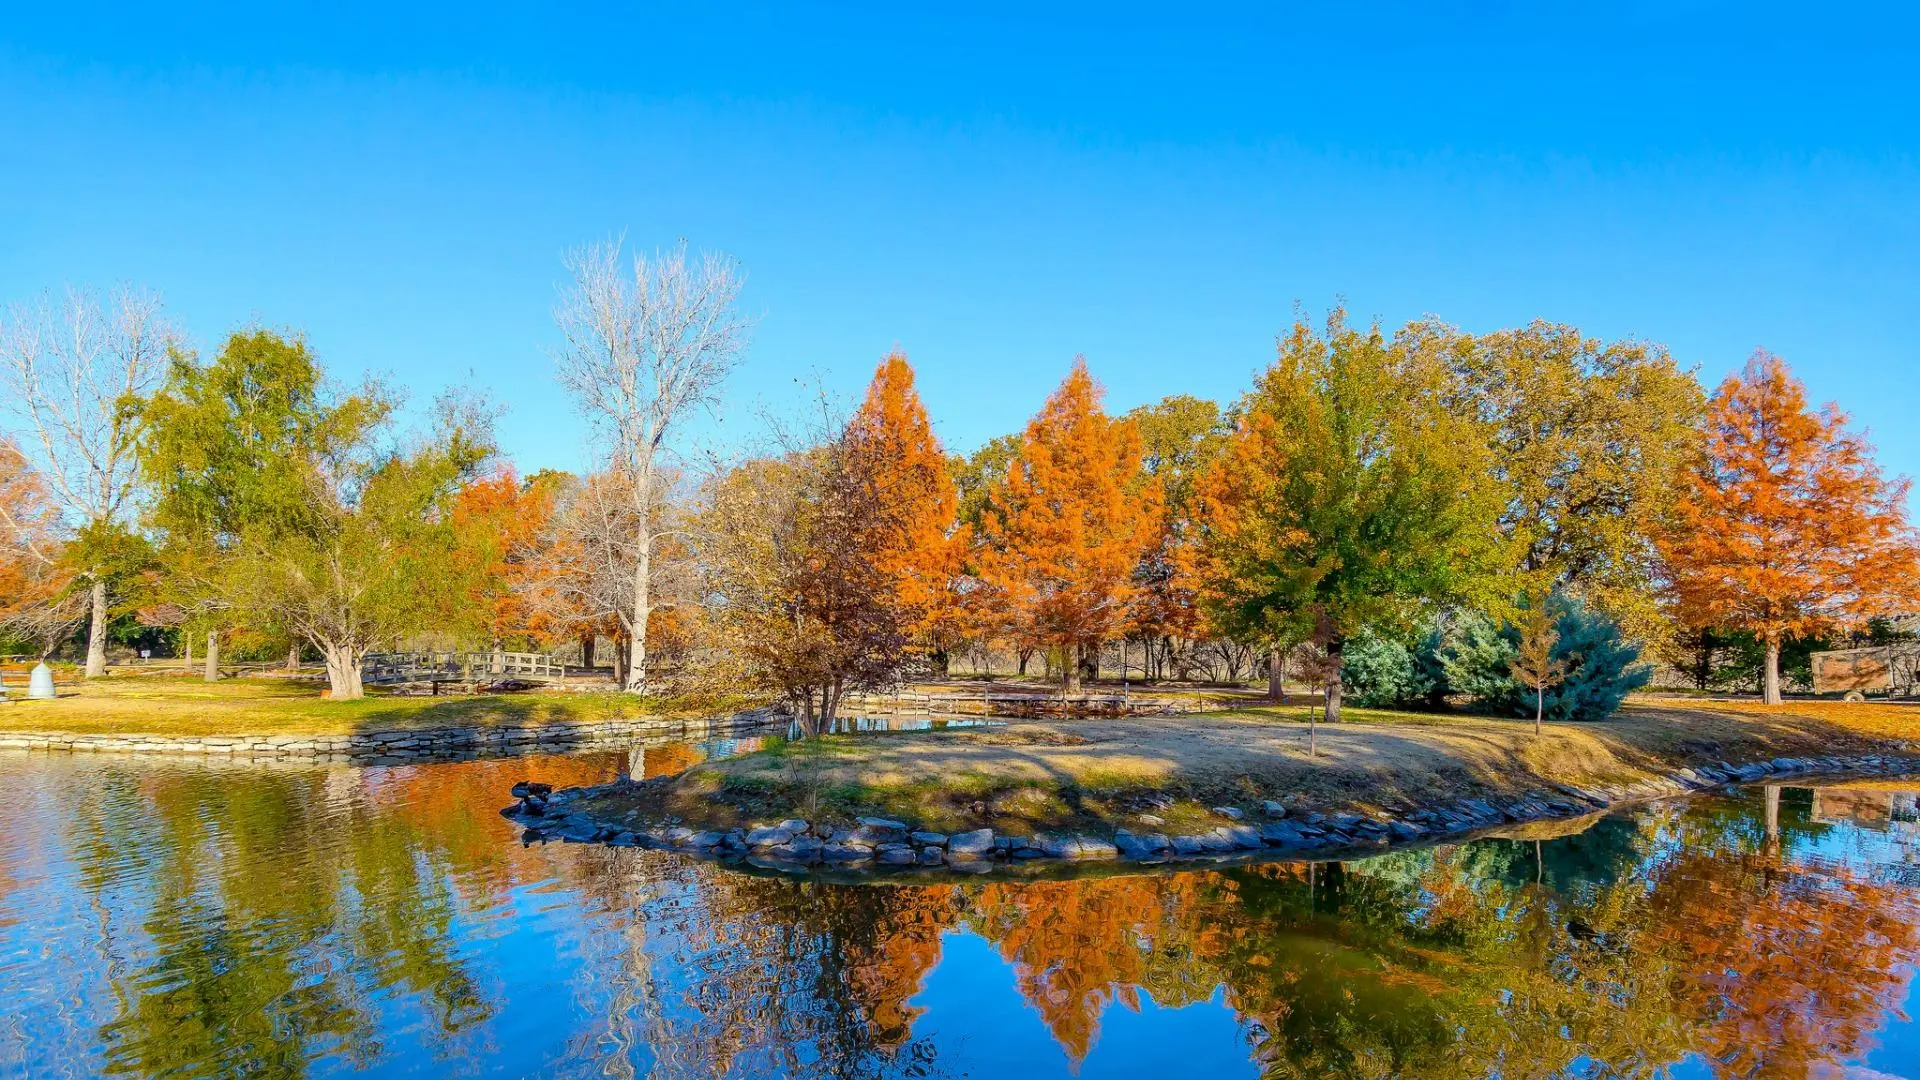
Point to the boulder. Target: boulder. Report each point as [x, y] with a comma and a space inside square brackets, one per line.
[895, 855]
[1242, 837]
[977, 842]
[1189, 845]
[1231, 813]
[768, 836]
[796, 826]
[929, 839]
[707, 839]
[1141, 845]
[1282, 834]
[931, 856]
[799, 849]
[1273, 809]
[845, 853]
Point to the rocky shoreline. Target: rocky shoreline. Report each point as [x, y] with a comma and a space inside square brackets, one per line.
[408, 745]
[1273, 829]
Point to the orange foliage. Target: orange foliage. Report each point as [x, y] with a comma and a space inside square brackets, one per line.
[500, 522]
[1070, 524]
[1786, 528]
[922, 553]
[31, 575]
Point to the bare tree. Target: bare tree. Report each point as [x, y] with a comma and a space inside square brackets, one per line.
[645, 348]
[71, 370]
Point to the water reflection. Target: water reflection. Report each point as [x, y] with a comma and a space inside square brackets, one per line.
[200, 918]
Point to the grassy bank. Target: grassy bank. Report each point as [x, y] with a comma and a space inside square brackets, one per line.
[1040, 775]
[176, 705]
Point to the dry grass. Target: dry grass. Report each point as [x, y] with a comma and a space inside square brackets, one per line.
[178, 705]
[1078, 772]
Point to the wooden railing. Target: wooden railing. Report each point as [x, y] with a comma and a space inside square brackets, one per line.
[380, 668]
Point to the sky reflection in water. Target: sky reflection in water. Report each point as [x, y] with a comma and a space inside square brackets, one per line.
[199, 918]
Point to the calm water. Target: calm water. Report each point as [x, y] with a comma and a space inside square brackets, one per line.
[187, 918]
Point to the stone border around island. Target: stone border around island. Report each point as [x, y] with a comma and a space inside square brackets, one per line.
[422, 744]
[800, 846]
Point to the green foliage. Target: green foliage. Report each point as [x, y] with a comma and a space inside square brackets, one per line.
[1602, 668]
[1349, 496]
[1380, 673]
[979, 475]
[287, 509]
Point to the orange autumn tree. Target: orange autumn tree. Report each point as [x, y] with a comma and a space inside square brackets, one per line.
[1785, 527]
[500, 521]
[1069, 525]
[924, 547]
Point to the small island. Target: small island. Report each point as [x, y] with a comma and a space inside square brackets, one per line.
[1231, 784]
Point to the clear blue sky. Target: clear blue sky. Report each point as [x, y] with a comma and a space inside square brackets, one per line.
[1156, 188]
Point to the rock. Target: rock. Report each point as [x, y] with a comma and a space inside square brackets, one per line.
[929, 839]
[1282, 834]
[799, 849]
[1403, 830]
[1058, 847]
[765, 837]
[579, 832]
[1095, 848]
[1150, 819]
[1141, 846]
[1025, 848]
[895, 855]
[1272, 808]
[845, 853]
[796, 826]
[707, 839]
[879, 831]
[527, 787]
[1231, 813]
[931, 856]
[678, 835]
[977, 842]
[1188, 845]
[1242, 837]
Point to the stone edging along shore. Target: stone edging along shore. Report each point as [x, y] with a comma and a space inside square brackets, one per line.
[878, 843]
[419, 744]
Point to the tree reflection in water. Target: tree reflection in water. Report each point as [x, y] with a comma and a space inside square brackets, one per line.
[281, 920]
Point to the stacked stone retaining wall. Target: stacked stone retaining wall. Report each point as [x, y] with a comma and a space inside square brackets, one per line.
[423, 742]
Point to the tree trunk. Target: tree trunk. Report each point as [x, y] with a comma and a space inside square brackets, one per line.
[942, 662]
[212, 672]
[621, 658]
[1539, 706]
[97, 632]
[186, 650]
[1770, 691]
[587, 642]
[1277, 674]
[343, 672]
[1070, 668]
[636, 680]
[1773, 815]
[1336, 665]
[293, 657]
[1023, 656]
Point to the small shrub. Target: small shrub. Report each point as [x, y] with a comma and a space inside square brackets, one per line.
[1382, 673]
[1602, 668]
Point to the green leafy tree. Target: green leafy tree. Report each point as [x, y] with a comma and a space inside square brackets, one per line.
[285, 504]
[1349, 495]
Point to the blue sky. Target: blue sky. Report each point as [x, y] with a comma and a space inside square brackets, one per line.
[1154, 187]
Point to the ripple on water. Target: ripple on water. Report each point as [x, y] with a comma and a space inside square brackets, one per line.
[199, 918]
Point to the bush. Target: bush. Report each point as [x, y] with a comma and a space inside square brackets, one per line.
[1602, 669]
[1382, 673]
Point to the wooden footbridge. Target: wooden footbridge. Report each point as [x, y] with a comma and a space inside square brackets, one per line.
[386, 669]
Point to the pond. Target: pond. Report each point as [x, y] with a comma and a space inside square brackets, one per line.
[195, 918]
